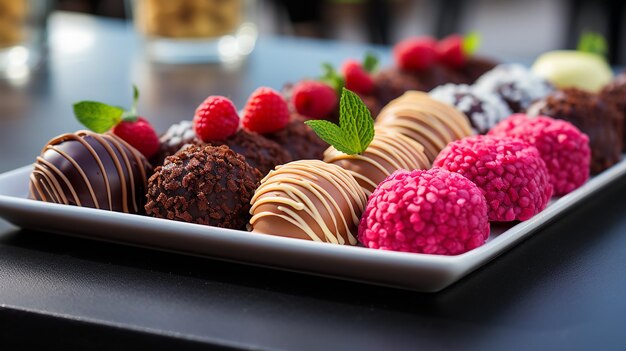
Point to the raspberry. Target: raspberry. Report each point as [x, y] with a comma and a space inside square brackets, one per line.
[450, 51]
[562, 146]
[140, 135]
[356, 77]
[215, 119]
[509, 172]
[266, 111]
[415, 53]
[432, 212]
[314, 99]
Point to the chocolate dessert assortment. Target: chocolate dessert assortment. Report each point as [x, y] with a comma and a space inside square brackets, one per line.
[455, 142]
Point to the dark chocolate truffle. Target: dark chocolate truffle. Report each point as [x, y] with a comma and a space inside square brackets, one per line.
[599, 119]
[205, 185]
[299, 140]
[516, 84]
[173, 139]
[615, 92]
[476, 67]
[91, 170]
[259, 151]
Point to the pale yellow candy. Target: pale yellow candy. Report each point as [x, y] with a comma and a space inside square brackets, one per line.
[574, 69]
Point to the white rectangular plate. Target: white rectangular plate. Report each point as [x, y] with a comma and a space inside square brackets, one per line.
[420, 272]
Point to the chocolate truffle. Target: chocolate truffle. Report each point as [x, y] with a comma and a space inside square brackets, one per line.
[260, 152]
[516, 84]
[173, 139]
[430, 122]
[615, 92]
[299, 140]
[91, 170]
[310, 200]
[388, 152]
[600, 120]
[392, 82]
[484, 109]
[205, 185]
[476, 67]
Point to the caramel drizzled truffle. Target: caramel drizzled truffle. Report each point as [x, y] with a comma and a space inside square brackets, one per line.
[205, 185]
[388, 152]
[311, 200]
[91, 170]
[430, 122]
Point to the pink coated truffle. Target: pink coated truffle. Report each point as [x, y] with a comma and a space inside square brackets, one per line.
[432, 212]
[509, 172]
[562, 146]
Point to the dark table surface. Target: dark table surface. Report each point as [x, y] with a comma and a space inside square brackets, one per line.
[564, 288]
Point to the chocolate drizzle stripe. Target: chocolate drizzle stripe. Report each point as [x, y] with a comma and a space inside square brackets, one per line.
[120, 172]
[78, 137]
[118, 168]
[139, 159]
[50, 166]
[43, 182]
[79, 169]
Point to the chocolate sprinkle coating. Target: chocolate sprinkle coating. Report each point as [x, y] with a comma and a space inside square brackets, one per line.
[205, 185]
[599, 119]
[299, 140]
[260, 152]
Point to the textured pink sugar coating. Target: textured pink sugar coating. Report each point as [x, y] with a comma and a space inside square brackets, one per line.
[562, 146]
[432, 212]
[509, 172]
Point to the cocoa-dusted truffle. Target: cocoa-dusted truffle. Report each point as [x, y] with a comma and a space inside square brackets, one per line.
[259, 151]
[615, 92]
[173, 139]
[299, 140]
[599, 119]
[205, 185]
[310, 200]
[91, 170]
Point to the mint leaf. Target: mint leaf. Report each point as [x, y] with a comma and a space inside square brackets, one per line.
[355, 131]
[332, 134]
[471, 43]
[97, 116]
[370, 62]
[355, 120]
[332, 77]
[593, 43]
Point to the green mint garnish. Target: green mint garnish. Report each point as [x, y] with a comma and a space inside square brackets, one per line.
[471, 43]
[100, 117]
[332, 77]
[356, 126]
[370, 62]
[593, 43]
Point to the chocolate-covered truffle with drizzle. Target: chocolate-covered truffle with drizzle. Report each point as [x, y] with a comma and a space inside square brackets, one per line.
[91, 170]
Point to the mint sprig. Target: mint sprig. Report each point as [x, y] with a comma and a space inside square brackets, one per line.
[100, 117]
[593, 43]
[331, 77]
[356, 127]
[471, 43]
[370, 62]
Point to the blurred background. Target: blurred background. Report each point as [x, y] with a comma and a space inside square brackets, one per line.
[511, 30]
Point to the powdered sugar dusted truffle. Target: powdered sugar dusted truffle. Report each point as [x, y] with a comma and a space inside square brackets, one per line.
[563, 148]
[432, 212]
[483, 108]
[509, 172]
[516, 84]
[310, 200]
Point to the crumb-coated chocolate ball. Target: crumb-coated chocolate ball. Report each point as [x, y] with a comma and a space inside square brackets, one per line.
[173, 139]
[615, 92]
[299, 140]
[599, 119]
[260, 152]
[205, 185]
